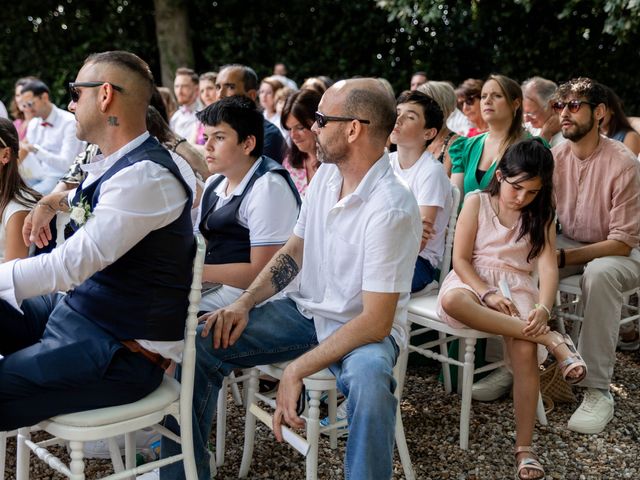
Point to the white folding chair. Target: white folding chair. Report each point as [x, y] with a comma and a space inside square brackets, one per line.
[3, 450]
[422, 312]
[573, 309]
[316, 385]
[229, 382]
[170, 398]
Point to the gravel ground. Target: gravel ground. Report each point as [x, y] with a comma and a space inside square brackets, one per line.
[431, 425]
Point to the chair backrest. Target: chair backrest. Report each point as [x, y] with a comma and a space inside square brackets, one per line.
[451, 229]
[189, 353]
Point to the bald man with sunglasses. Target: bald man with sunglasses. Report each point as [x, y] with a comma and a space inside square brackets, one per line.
[352, 254]
[597, 186]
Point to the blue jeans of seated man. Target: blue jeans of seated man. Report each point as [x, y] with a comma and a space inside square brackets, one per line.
[277, 332]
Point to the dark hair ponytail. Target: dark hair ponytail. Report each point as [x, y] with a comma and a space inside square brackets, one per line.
[529, 159]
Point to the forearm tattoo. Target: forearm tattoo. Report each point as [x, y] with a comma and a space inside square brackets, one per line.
[283, 271]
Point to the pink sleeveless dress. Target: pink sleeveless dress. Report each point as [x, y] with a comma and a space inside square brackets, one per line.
[496, 256]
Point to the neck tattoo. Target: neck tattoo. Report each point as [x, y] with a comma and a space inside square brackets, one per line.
[113, 122]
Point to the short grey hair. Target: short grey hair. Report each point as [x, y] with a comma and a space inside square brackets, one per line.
[539, 90]
[444, 95]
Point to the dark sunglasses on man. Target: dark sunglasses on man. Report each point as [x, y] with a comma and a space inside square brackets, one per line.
[322, 119]
[74, 91]
[573, 105]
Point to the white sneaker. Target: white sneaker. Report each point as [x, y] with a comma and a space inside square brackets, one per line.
[152, 475]
[493, 386]
[341, 414]
[593, 414]
[144, 440]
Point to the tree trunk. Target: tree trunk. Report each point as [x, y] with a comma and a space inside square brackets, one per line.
[174, 41]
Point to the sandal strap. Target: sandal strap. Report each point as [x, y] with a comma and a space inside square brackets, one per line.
[524, 449]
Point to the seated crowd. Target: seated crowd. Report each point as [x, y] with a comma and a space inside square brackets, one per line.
[323, 209]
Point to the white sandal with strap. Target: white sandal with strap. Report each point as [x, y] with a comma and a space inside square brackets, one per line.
[528, 463]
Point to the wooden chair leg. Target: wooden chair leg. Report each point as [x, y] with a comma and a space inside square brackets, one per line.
[221, 423]
[467, 383]
[313, 434]
[249, 425]
[22, 454]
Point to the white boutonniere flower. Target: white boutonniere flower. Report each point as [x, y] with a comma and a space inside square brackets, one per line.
[81, 212]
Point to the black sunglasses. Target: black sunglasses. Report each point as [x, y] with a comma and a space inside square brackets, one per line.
[75, 93]
[573, 105]
[471, 99]
[322, 119]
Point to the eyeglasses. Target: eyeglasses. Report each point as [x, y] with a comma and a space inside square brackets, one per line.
[322, 119]
[471, 100]
[75, 93]
[573, 105]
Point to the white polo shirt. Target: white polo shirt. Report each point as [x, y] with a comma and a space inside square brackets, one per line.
[368, 240]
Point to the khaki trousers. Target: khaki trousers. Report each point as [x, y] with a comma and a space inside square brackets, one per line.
[603, 282]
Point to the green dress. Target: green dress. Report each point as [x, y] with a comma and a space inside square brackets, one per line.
[465, 155]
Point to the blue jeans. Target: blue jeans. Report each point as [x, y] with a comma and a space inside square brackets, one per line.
[277, 332]
[423, 274]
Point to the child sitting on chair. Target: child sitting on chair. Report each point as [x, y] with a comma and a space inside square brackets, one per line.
[418, 123]
[502, 233]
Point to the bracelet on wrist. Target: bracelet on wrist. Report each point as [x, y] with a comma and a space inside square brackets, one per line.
[178, 142]
[563, 258]
[489, 291]
[251, 295]
[45, 204]
[542, 306]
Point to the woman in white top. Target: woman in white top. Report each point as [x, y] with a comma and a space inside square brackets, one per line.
[267, 94]
[16, 199]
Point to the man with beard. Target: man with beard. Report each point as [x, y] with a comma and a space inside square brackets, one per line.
[597, 185]
[352, 253]
[184, 121]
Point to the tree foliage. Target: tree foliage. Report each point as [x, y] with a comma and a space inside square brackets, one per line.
[450, 39]
[556, 40]
[51, 39]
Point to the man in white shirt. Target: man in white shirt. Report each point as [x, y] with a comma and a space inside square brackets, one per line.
[352, 253]
[184, 122]
[129, 264]
[51, 144]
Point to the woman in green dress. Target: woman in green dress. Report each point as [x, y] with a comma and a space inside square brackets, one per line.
[474, 159]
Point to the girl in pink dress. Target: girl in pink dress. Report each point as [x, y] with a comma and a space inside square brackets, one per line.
[503, 235]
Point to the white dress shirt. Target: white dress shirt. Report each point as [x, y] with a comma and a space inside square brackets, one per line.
[368, 240]
[459, 123]
[56, 143]
[184, 122]
[133, 202]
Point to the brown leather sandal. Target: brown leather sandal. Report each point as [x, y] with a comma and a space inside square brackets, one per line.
[571, 362]
[528, 463]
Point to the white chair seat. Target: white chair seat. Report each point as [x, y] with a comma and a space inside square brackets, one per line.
[167, 393]
[422, 311]
[571, 284]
